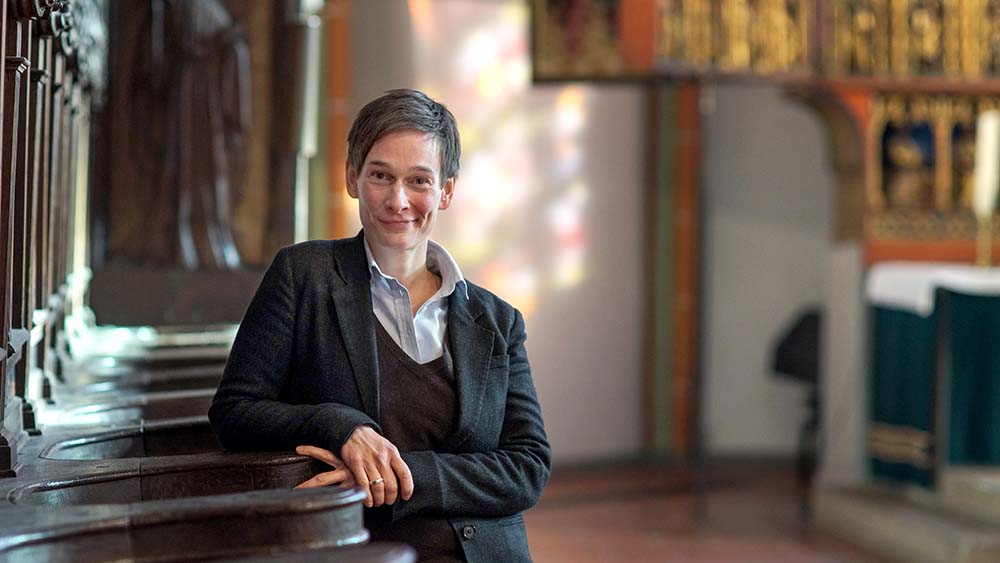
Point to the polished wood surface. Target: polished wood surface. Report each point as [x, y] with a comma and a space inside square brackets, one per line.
[129, 487]
[127, 467]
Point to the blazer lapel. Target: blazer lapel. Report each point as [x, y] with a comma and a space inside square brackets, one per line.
[352, 306]
[471, 346]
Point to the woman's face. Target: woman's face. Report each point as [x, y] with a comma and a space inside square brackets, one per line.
[400, 190]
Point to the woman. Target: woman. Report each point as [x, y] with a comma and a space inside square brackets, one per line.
[374, 355]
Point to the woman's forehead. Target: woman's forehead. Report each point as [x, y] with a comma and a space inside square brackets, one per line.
[406, 149]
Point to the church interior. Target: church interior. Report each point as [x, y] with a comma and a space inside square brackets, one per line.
[752, 242]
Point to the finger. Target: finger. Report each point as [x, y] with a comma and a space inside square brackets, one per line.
[377, 489]
[349, 481]
[326, 456]
[402, 472]
[390, 487]
[361, 482]
[325, 479]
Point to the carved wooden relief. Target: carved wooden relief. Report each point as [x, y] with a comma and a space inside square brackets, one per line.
[180, 115]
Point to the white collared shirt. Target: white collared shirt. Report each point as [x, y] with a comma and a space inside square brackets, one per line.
[421, 335]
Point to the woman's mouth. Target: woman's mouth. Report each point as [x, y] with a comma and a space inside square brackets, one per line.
[396, 223]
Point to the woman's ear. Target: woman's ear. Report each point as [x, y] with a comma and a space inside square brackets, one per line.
[352, 181]
[447, 192]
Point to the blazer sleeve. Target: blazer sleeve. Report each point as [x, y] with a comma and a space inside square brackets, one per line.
[246, 412]
[501, 482]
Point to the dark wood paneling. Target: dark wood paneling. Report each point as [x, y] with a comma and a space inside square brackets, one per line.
[41, 123]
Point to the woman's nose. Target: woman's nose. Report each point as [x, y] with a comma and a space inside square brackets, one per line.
[397, 200]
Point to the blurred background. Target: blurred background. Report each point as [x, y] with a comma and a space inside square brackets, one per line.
[742, 235]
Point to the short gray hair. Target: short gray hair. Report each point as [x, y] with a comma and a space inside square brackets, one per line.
[405, 109]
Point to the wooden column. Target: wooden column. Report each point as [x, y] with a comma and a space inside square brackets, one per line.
[660, 140]
[686, 357]
[54, 210]
[24, 176]
[65, 190]
[35, 121]
[294, 138]
[18, 165]
[674, 240]
[15, 68]
[11, 434]
[42, 54]
[338, 15]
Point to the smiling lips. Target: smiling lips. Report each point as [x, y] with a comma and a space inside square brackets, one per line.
[396, 223]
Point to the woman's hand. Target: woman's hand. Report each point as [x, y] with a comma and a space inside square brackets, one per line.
[378, 469]
[340, 475]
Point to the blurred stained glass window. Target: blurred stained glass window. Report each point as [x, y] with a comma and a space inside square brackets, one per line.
[517, 224]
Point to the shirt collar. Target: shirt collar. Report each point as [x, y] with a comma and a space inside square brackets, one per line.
[439, 261]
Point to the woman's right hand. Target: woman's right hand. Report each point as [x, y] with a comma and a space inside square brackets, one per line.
[371, 457]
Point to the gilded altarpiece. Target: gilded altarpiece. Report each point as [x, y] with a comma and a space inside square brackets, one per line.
[735, 36]
[907, 77]
[920, 168]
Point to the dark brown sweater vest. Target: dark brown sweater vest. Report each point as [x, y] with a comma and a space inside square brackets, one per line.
[417, 412]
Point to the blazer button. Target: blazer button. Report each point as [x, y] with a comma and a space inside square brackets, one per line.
[469, 532]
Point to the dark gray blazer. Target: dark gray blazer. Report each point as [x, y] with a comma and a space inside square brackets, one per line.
[304, 370]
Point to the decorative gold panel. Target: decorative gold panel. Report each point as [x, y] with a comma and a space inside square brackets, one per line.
[859, 37]
[921, 155]
[913, 38]
[833, 39]
[687, 33]
[761, 36]
[989, 38]
[577, 39]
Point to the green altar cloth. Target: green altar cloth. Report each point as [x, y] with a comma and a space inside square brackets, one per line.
[902, 395]
[974, 402]
[935, 369]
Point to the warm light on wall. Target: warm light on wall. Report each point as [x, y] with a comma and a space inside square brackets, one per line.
[518, 224]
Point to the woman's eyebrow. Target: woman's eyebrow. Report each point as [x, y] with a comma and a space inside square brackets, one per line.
[417, 168]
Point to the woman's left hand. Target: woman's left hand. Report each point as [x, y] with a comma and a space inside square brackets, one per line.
[340, 475]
